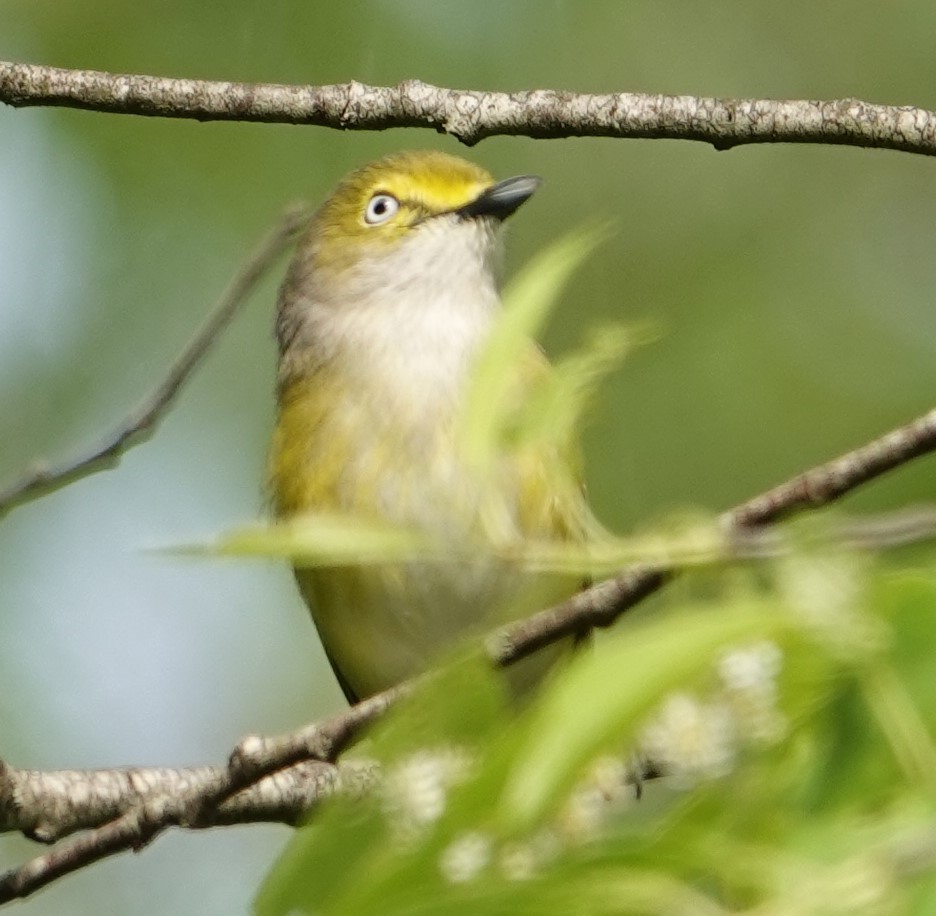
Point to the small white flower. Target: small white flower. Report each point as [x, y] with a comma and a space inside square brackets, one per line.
[416, 788]
[691, 740]
[751, 667]
[465, 857]
[749, 676]
[826, 590]
[613, 776]
[824, 587]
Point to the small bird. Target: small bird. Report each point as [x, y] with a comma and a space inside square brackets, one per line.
[391, 294]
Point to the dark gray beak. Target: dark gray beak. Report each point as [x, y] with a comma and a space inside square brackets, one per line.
[501, 199]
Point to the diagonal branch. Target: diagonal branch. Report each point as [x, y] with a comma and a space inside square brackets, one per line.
[471, 115]
[828, 482]
[140, 424]
[602, 604]
[206, 794]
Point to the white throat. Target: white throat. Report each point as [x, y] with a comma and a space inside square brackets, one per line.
[410, 336]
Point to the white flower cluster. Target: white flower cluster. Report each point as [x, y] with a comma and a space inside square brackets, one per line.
[604, 790]
[825, 588]
[468, 855]
[415, 793]
[693, 739]
[749, 686]
[690, 738]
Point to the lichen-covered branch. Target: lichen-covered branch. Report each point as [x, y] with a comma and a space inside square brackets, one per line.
[278, 778]
[472, 115]
[126, 808]
[49, 805]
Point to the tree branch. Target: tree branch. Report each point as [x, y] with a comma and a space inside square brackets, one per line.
[602, 604]
[263, 781]
[154, 800]
[470, 115]
[140, 424]
[47, 806]
[827, 483]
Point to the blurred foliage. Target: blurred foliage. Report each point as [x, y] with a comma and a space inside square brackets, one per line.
[792, 286]
[793, 719]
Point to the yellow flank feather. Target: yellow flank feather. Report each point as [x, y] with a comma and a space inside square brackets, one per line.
[338, 447]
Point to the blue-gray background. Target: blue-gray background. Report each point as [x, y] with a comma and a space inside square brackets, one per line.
[793, 286]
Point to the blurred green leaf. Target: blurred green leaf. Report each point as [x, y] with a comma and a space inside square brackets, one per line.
[605, 695]
[528, 300]
[817, 810]
[323, 539]
[558, 404]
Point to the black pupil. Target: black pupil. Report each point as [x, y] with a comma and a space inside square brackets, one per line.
[380, 206]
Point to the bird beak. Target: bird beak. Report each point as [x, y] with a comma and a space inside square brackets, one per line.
[501, 199]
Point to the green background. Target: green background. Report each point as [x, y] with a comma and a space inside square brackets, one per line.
[792, 288]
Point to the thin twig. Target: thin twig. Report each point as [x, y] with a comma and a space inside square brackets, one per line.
[472, 115]
[822, 485]
[602, 604]
[875, 533]
[140, 424]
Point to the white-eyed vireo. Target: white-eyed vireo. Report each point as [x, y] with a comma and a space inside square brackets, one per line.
[391, 293]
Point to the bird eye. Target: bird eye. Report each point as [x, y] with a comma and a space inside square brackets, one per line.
[380, 208]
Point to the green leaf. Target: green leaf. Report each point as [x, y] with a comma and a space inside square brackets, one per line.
[324, 539]
[320, 859]
[605, 695]
[557, 405]
[527, 303]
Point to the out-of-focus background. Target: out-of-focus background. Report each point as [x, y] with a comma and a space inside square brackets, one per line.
[793, 288]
